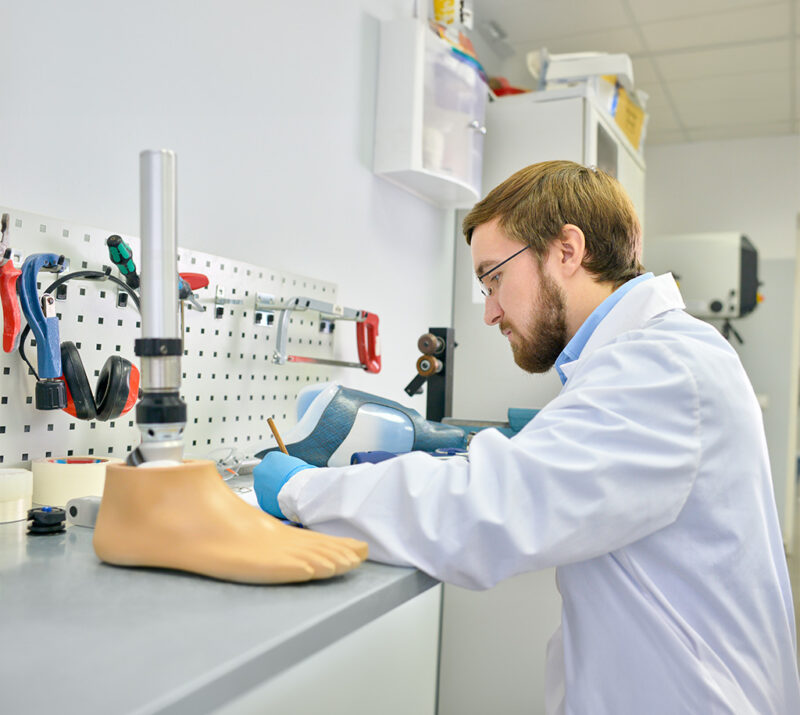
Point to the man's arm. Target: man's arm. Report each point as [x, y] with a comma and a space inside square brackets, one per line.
[609, 461]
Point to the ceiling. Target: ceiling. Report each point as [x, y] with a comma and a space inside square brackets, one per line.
[713, 69]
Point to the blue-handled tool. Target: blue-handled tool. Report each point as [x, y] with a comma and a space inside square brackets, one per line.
[40, 314]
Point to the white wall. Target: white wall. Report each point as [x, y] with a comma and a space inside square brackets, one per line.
[270, 108]
[752, 186]
[748, 185]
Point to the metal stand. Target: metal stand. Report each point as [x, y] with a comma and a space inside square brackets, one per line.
[161, 413]
[435, 367]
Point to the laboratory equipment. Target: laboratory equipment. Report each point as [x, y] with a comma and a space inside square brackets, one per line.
[717, 272]
[435, 367]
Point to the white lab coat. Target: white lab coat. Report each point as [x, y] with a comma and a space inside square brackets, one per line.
[646, 482]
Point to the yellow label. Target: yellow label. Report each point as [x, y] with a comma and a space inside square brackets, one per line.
[630, 118]
[445, 11]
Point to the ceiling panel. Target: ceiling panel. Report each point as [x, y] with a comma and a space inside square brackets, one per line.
[656, 95]
[753, 23]
[756, 57]
[742, 131]
[711, 68]
[644, 71]
[734, 112]
[662, 137]
[526, 20]
[661, 119]
[618, 40]
[654, 10]
[747, 87]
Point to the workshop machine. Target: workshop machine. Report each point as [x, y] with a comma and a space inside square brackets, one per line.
[717, 272]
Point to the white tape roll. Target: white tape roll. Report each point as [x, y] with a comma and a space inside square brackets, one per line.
[59, 479]
[16, 489]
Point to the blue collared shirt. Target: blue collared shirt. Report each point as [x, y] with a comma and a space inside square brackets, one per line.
[578, 343]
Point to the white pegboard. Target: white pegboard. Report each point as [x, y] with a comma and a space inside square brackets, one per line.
[230, 383]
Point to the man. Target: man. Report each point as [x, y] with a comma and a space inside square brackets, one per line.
[646, 481]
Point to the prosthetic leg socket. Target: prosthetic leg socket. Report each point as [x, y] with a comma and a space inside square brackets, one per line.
[335, 422]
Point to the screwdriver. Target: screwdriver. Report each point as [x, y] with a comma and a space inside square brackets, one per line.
[122, 257]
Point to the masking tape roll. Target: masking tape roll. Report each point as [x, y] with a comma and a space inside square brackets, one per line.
[58, 479]
[16, 489]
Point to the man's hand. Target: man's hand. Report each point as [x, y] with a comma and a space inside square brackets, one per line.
[269, 477]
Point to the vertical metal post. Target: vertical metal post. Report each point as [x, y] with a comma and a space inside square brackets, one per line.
[161, 413]
[159, 235]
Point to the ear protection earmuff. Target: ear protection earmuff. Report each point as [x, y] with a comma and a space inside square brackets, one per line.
[117, 387]
[116, 392]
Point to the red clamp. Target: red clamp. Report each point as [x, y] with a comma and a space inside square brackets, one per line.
[369, 342]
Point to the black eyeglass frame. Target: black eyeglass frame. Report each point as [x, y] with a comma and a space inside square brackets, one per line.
[483, 288]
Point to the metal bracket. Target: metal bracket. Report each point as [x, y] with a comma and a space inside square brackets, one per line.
[220, 301]
[263, 313]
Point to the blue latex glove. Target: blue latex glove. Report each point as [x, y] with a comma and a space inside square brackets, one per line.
[269, 477]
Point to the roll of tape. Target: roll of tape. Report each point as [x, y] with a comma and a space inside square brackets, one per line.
[16, 490]
[58, 479]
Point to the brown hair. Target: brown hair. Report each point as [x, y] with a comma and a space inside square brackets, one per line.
[534, 205]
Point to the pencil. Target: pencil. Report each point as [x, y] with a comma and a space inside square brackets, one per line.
[277, 436]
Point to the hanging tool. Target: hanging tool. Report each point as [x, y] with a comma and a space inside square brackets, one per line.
[367, 339]
[122, 257]
[188, 283]
[41, 316]
[12, 320]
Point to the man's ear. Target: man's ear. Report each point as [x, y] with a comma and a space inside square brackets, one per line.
[569, 249]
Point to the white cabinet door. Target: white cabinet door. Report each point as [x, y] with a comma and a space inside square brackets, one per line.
[453, 116]
[522, 132]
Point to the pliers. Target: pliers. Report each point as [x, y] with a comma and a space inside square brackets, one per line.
[12, 320]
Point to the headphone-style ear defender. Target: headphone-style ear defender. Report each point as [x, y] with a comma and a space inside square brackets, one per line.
[116, 392]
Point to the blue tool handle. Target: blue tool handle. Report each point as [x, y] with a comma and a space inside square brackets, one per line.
[184, 289]
[48, 346]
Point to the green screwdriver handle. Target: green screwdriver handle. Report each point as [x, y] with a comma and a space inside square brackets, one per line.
[122, 258]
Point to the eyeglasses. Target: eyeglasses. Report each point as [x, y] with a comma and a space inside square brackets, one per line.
[486, 290]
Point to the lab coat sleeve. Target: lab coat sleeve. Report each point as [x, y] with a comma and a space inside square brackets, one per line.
[610, 460]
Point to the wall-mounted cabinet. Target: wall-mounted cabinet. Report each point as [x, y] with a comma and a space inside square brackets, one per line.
[429, 129]
[559, 124]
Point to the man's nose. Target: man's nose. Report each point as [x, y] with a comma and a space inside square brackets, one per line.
[492, 313]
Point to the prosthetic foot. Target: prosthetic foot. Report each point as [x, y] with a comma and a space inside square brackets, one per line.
[184, 517]
[335, 421]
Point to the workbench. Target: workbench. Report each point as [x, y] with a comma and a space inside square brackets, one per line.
[81, 636]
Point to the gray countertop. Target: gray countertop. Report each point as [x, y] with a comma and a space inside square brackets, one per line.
[86, 637]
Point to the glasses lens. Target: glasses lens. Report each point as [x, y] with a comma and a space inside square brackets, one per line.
[483, 289]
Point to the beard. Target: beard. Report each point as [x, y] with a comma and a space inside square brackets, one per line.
[545, 336]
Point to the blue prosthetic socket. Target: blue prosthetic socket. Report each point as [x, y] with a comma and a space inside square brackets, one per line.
[353, 421]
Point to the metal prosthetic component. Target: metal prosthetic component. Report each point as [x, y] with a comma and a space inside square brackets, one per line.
[161, 413]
